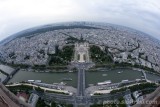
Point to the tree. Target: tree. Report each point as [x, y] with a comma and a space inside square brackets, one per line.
[53, 104]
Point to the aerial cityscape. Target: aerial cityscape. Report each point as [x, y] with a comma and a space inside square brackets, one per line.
[78, 50]
[78, 53]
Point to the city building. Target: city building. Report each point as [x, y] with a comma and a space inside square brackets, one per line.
[33, 99]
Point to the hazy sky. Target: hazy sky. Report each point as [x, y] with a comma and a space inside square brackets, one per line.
[17, 15]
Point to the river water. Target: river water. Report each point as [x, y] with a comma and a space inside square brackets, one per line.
[92, 77]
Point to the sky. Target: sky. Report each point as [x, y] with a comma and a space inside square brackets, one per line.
[18, 15]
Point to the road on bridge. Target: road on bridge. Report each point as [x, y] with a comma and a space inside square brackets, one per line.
[81, 82]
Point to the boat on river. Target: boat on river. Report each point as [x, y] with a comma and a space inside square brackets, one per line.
[104, 83]
[120, 72]
[67, 79]
[104, 74]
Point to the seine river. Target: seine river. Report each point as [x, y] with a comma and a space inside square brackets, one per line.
[92, 77]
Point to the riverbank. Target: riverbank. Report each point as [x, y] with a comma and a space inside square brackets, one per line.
[133, 68]
[40, 88]
[124, 65]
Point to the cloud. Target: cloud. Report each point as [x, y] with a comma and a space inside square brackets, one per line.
[17, 15]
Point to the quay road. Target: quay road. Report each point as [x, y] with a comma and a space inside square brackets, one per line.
[105, 97]
[70, 99]
[83, 101]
